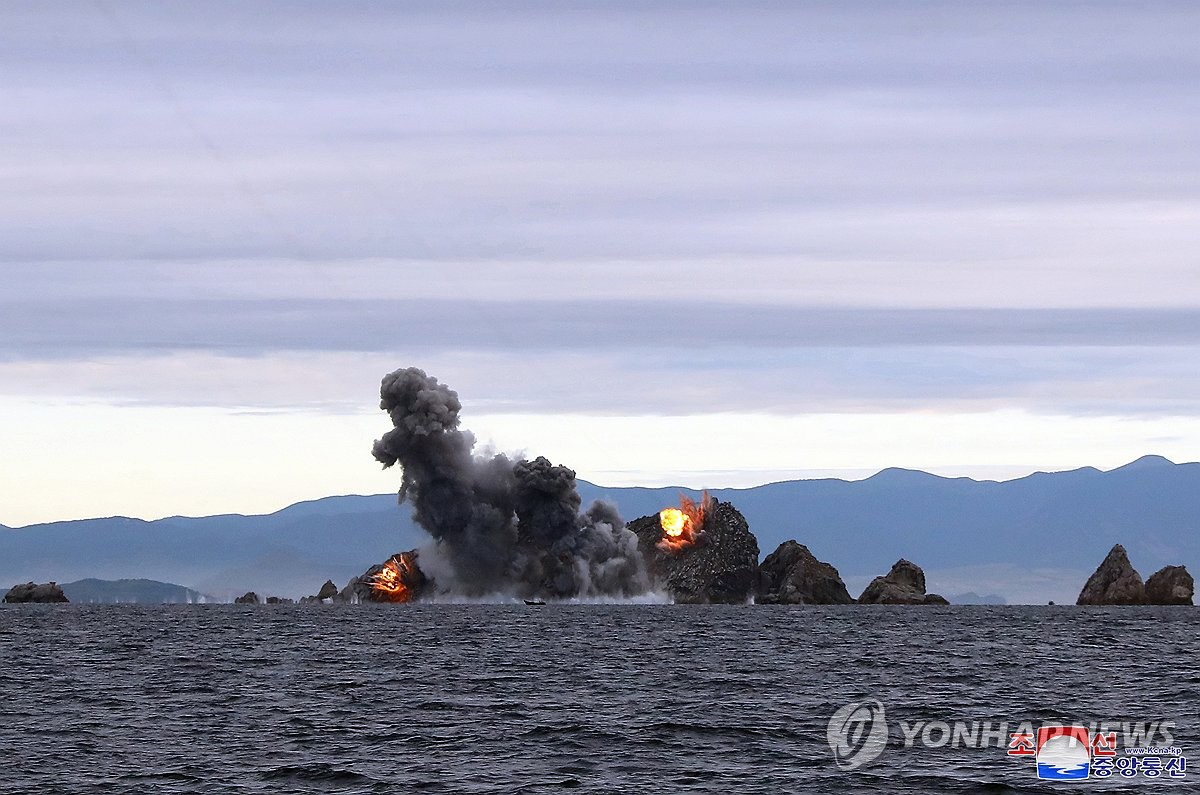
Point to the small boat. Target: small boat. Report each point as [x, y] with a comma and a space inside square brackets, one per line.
[535, 601]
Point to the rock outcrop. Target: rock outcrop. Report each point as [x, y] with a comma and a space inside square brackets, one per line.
[903, 585]
[45, 593]
[791, 575]
[1170, 585]
[327, 591]
[248, 598]
[279, 600]
[719, 566]
[402, 578]
[356, 590]
[1115, 582]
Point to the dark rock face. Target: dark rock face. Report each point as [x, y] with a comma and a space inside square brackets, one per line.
[907, 574]
[362, 588]
[279, 600]
[248, 598]
[1115, 582]
[903, 585]
[791, 575]
[356, 590]
[45, 593]
[328, 591]
[721, 566]
[1170, 585]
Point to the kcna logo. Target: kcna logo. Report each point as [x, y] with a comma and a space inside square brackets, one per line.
[858, 734]
[1066, 753]
[1063, 752]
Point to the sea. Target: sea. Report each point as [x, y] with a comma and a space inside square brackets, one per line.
[591, 698]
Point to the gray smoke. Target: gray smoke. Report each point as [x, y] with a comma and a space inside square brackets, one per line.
[503, 526]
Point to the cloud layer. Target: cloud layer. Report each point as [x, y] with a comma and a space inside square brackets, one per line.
[607, 210]
[834, 132]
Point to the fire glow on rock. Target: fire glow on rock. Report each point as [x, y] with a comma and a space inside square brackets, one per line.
[683, 525]
[397, 581]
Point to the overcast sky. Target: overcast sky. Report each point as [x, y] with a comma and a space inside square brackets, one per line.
[663, 243]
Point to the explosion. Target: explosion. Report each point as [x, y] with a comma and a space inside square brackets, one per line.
[673, 521]
[398, 581]
[498, 525]
[683, 525]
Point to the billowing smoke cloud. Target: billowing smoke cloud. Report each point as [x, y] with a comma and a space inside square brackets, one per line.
[503, 526]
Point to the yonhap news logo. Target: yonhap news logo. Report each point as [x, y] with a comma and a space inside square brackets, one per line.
[1062, 751]
[857, 733]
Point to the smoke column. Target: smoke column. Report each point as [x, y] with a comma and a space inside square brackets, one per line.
[503, 526]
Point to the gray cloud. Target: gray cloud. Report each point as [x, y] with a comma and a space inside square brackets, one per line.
[54, 328]
[773, 281]
[647, 381]
[541, 131]
[841, 205]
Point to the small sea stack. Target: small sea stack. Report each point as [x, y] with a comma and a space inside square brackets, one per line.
[903, 585]
[29, 592]
[1170, 585]
[327, 591]
[1114, 582]
[398, 579]
[701, 552]
[791, 575]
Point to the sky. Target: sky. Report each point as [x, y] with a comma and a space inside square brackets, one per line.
[663, 243]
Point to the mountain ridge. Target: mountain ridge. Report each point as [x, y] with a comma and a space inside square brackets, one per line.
[1041, 522]
[131, 591]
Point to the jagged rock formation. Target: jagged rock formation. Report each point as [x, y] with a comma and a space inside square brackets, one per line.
[327, 591]
[791, 575]
[279, 600]
[357, 589]
[411, 582]
[720, 566]
[903, 585]
[45, 593]
[1170, 585]
[248, 598]
[1115, 582]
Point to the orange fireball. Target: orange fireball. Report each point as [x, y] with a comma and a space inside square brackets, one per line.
[396, 580]
[674, 522]
[682, 525]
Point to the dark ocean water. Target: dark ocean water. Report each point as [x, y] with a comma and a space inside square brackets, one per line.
[617, 698]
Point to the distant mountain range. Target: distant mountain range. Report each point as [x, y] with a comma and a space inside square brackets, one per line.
[1026, 540]
[92, 591]
[289, 552]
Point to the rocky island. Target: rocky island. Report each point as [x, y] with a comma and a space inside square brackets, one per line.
[46, 593]
[903, 585]
[1170, 585]
[715, 563]
[791, 575]
[1116, 582]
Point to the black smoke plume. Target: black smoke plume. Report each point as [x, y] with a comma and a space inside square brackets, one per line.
[502, 525]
